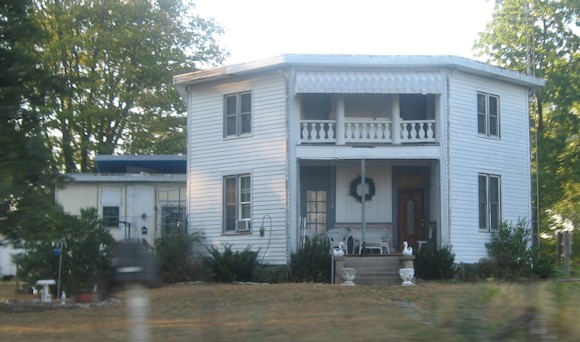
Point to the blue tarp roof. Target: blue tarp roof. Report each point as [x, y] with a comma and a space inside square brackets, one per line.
[167, 164]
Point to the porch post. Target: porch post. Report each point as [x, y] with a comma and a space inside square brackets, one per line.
[339, 130]
[396, 120]
[363, 190]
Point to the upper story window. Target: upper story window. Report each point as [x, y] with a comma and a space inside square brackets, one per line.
[489, 201]
[237, 114]
[111, 216]
[488, 115]
[237, 203]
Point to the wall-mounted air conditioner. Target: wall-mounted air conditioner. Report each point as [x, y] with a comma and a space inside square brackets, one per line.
[243, 226]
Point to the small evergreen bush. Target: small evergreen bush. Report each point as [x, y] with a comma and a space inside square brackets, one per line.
[510, 250]
[271, 274]
[543, 265]
[435, 264]
[312, 262]
[230, 266]
[176, 256]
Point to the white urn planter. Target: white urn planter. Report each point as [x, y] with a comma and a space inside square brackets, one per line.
[407, 275]
[348, 274]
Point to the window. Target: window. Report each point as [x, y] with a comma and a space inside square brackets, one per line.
[237, 114]
[489, 202]
[111, 216]
[237, 202]
[488, 114]
[316, 211]
[171, 217]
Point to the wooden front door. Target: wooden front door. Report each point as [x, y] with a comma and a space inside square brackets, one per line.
[411, 217]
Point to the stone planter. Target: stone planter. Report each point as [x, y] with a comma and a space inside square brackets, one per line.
[407, 270]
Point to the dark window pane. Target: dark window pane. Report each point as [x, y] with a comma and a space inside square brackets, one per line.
[481, 104]
[246, 99]
[111, 216]
[482, 202]
[231, 104]
[246, 123]
[231, 125]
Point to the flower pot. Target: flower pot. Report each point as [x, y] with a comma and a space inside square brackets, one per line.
[84, 297]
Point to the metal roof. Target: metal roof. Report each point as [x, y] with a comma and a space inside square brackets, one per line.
[374, 62]
[135, 164]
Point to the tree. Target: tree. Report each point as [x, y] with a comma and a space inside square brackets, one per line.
[537, 37]
[114, 62]
[25, 162]
[85, 247]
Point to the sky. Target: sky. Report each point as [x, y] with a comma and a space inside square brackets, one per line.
[257, 29]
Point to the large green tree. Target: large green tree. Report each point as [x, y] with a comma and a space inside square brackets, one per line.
[25, 162]
[540, 37]
[114, 61]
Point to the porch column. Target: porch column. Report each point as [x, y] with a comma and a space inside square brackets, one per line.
[363, 190]
[396, 119]
[339, 131]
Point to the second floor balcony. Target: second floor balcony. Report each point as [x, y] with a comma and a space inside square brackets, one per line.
[368, 119]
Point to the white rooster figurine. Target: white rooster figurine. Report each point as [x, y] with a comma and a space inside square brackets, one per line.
[407, 250]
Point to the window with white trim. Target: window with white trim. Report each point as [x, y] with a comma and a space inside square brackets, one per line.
[111, 216]
[237, 114]
[237, 204]
[488, 115]
[489, 201]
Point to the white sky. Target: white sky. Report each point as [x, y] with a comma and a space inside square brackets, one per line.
[257, 29]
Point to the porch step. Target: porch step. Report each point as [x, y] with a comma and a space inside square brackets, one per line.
[375, 270]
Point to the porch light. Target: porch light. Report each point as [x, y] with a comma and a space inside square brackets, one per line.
[144, 230]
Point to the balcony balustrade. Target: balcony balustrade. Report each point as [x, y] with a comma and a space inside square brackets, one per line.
[364, 130]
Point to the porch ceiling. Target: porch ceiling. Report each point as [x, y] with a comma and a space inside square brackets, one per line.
[370, 82]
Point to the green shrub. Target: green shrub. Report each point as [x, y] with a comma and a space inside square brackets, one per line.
[85, 255]
[510, 250]
[176, 256]
[230, 266]
[468, 272]
[432, 263]
[271, 274]
[312, 262]
[543, 265]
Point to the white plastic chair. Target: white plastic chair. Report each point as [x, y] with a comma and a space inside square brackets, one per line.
[335, 237]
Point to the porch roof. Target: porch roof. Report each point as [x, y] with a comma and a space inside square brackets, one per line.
[374, 62]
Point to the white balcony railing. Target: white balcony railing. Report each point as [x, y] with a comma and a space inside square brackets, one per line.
[417, 131]
[367, 131]
[318, 131]
[362, 130]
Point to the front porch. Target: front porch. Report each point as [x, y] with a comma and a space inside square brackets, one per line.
[396, 202]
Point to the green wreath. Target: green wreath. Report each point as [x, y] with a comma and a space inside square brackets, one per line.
[353, 190]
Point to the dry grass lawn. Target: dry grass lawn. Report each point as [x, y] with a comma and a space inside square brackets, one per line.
[314, 312]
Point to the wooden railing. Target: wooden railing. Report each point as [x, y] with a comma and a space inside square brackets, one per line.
[379, 131]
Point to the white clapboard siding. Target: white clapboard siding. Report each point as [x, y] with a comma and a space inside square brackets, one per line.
[470, 154]
[263, 154]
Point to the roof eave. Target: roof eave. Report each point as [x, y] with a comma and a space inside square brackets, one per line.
[357, 61]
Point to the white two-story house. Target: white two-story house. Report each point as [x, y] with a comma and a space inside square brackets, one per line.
[428, 148]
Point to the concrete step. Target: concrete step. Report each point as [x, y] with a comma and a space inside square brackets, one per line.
[377, 281]
[375, 270]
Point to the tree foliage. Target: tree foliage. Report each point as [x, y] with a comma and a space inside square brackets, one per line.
[85, 251]
[540, 37]
[113, 63]
[25, 163]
